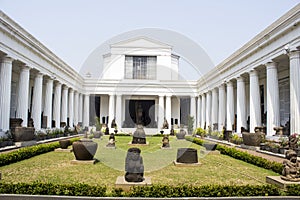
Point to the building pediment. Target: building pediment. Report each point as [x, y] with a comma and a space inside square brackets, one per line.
[140, 42]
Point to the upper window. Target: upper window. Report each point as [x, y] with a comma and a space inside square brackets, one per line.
[140, 67]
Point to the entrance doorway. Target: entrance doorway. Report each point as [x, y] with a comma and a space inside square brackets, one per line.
[140, 112]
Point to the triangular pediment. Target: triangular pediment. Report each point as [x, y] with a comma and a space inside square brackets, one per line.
[140, 42]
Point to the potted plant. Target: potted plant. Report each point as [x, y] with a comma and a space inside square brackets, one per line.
[190, 122]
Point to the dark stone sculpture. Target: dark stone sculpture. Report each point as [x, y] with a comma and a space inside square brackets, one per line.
[165, 124]
[113, 124]
[181, 134]
[84, 149]
[134, 166]
[64, 144]
[166, 142]
[139, 136]
[20, 133]
[111, 141]
[187, 155]
[291, 168]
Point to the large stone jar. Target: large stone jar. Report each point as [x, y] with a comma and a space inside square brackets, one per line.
[187, 155]
[64, 144]
[84, 149]
[181, 134]
[253, 139]
[210, 146]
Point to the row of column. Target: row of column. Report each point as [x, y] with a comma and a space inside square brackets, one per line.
[66, 102]
[218, 106]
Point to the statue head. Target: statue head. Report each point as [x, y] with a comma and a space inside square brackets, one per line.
[291, 156]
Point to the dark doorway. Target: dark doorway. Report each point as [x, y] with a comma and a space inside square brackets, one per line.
[140, 112]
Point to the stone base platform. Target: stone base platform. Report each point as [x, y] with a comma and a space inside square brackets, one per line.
[63, 150]
[25, 143]
[215, 152]
[177, 164]
[84, 162]
[147, 144]
[276, 180]
[166, 148]
[110, 147]
[123, 184]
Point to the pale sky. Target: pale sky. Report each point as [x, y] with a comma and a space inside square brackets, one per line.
[72, 29]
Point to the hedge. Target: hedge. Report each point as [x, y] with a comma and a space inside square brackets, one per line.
[80, 189]
[255, 160]
[244, 156]
[293, 190]
[39, 188]
[28, 152]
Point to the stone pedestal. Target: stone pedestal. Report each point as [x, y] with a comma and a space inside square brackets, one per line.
[276, 180]
[131, 144]
[123, 184]
[84, 162]
[25, 143]
[178, 164]
[63, 150]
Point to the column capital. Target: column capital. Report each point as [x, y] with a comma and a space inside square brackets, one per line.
[271, 65]
[65, 87]
[7, 59]
[253, 72]
[222, 86]
[240, 79]
[25, 67]
[58, 84]
[229, 83]
[39, 75]
[294, 54]
[168, 95]
[71, 90]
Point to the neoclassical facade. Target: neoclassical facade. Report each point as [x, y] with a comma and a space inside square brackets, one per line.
[139, 82]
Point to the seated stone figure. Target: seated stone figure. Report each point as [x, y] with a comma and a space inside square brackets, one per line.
[139, 135]
[111, 140]
[291, 169]
[165, 142]
[165, 124]
[134, 166]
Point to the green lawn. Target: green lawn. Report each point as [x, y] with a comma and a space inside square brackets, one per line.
[56, 167]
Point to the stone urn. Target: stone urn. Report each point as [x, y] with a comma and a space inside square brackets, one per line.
[181, 134]
[84, 149]
[187, 155]
[97, 134]
[210, 146]
[64, 144]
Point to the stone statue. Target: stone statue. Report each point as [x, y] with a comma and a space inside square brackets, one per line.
[165, 124]
[113, 124]
[291, 168]
[165, 142]
[111, 141]
[134, 166]
[139, 136]
[139, 114]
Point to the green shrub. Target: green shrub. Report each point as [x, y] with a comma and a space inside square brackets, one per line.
[162, 191]
[293, 190]
[38, 188]
[194, 140]
[255, 160]
[28, 152]
[200, 131]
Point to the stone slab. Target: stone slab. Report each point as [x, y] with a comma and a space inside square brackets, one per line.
[215, 152]
[147, 144]
[123, 184]
[83, 162]
[63, 150]
[25, 143]
[110, 147]
[166, 148]
[177, 164]
[276, 180]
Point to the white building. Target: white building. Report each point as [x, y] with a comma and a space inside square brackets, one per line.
[139, 81]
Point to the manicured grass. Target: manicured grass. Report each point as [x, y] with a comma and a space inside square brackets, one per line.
[55, 167]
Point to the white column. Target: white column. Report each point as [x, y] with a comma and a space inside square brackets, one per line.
[214, 108]
[241, 120]
[199, 111]
[294, 92]
[193, 110]
[64, 104]
[111, 109]
[5, 92]
[86, 110]
[203, 110]
[57, 104]
[208, 110]
[168, 110]
[23, 92]
[161, 111]
[273, 115]
[71, 107]
[37, 101]
[119, 111]
[80, 108]
[48, 102]
[76, 104]
[222, 107]
[255, 111]
[229, 106]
